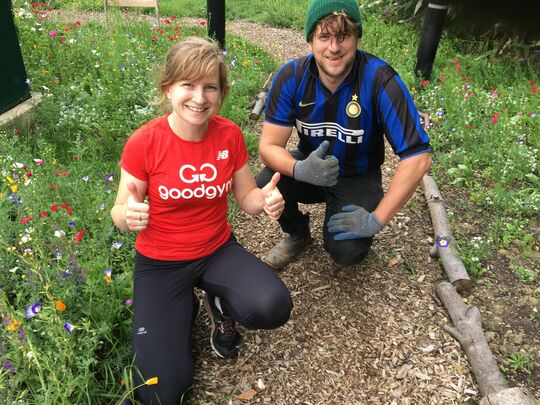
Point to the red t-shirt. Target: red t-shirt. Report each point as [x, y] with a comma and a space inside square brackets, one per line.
[188, 185]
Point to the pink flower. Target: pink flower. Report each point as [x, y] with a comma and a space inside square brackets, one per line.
[53, 33]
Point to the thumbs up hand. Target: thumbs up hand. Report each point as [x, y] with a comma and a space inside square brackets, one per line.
[135, 209]
[273, 202]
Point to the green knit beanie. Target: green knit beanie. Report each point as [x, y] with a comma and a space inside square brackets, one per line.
[319, 9]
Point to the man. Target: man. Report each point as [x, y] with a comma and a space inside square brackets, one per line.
[342, 101]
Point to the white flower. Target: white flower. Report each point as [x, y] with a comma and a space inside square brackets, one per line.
[59, 233]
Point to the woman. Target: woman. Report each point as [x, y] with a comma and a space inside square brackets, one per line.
[185, 164]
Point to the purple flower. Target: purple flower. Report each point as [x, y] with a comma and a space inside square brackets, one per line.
[68, 327]
[14, 198]
[117, 244]
[128, 302]
[33, 310]
[107, 272]
[72, 223]
[8, 366]
[85, 178]
[443, 242]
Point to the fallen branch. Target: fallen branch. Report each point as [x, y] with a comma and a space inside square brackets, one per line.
[444, 241]
[467, 330]
[261, 100]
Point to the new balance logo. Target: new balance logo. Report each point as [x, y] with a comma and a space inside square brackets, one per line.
[222, 154]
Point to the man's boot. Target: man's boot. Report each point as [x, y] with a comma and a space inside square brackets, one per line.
[289, 247]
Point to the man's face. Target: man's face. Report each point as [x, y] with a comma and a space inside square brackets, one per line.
[334, 54]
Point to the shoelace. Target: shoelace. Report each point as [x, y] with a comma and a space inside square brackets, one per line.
[227, 326]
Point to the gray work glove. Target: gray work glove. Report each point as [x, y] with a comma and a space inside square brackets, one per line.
[354, 222]
[318, 169]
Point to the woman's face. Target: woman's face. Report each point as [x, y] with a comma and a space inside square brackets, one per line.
[195, 101]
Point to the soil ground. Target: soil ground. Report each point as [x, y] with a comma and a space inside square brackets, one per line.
[371, 333]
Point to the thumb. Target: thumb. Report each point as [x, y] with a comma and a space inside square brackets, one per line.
[273, 182]
[321, 150]
[350, 208]
[134, 191]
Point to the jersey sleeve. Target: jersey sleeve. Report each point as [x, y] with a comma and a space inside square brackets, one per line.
[400, 119]
[133, 156]
[279, 108]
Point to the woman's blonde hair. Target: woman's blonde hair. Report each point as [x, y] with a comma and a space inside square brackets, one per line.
[192, 59]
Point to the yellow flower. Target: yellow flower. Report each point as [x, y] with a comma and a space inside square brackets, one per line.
[14, 325]
[245, 63]
[14, 188]
[107, 279]
[152, 381]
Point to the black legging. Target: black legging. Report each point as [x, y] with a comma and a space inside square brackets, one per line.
[255, 296]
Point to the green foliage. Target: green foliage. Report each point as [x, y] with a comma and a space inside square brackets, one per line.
[520, 362]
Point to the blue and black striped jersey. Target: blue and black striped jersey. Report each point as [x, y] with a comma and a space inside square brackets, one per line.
[371, 101]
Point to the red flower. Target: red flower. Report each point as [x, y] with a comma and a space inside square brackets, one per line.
[29, 174]
[467, 95]
[64, 205]
[78, 236]
[196, 32]
[469, 126]
[43, 214]
[54, 186]
[533, 90]
[495, 118]
[456, 63]
[424, 83]
[25, 220]
[203, 23]
[17, 132]
[54, 207]
[77, 22]
[69, 211]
